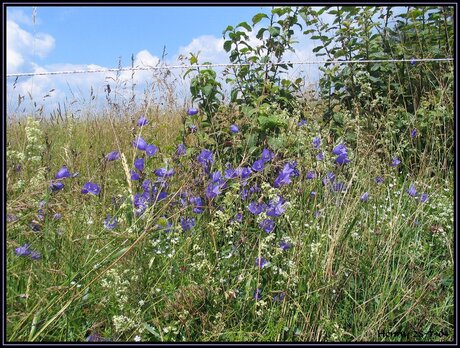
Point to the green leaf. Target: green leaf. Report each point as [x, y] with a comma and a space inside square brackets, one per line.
[245, 25]
[274, 31]
[258, 17]
[227, 45]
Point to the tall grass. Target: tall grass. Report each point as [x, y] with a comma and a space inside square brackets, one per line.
[380, 270]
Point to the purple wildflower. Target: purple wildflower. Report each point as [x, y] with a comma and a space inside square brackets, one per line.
[110, 223]
[112, 156]
[275, 207]
[35, 255]
[338, 187]
[230, 173]
[365, 197]
[302, 123]
[142, 121]
[139, 164]
[63, 173]
[261, 263]
[181, 150]
[311, 175]
[313, 193]
[284, 245]
[316, 142]
[23, 250]
[187, 223]
[423, 198]
[193, 128]
[56, 186]
[205, 157]
[239, 217]
[258, 165]
[320, 156]
[267, 225]
[339, 150]
[164, 173]
[57, 216]
[379, 180]
[151, 150]
[413, 133]
[234, 129]
[342, 159]
[257, 208]
[412, 191]
[134, 175]
[267, 155]
[140, 143]
[91, 187]
[192, 111]
[198, 204]
[395, 161]
[279, 297]
[213, 190]
[328, 178]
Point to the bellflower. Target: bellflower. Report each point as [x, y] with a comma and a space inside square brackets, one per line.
[140, 143]
[261, 263]
[181, 150]
[205, 157]
[328, 178]
[142, 122]
[192, 111]
[316, 142]
[234, 129]
[320, 156]
[258, 165]
[91, 187]
[164, 173]
[284, 245]
[311, 175]
[139, 164]
[267, 225]
[56, 186]
[187, 223]
[424, 197]
[63, 173]
[257, 294]
[257, 208]
[413, 133]
[342, 159]
[339, 150]
[275, 208]
[113, 156]
[412, 191]
[365, 197]
[110, 223]
[395, 162]
[23, 250]
[151, 150]
[302, 123]
[379, 180]
[267, 155]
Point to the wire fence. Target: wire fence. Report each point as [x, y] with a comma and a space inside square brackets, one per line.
[229, 65]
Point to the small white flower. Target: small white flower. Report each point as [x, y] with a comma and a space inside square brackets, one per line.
[137, 338]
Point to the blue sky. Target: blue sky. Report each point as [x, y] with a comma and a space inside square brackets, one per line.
[82, 38]
[99, 35]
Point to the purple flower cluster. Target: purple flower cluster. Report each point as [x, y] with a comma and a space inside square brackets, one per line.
[25, 251]
[341, 152]
[284, 177]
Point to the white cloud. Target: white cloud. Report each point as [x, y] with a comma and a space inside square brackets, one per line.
[21, 46]
[210, 49]
[69, 88]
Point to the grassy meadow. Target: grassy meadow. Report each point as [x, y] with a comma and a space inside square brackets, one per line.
[261, 220]
[335, 267]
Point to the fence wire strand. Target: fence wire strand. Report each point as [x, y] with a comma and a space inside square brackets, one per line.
[225, 65]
